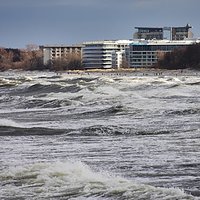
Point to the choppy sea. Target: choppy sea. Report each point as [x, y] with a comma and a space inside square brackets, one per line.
[96, 136]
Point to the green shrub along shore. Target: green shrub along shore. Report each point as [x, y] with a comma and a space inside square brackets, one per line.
[181, 58]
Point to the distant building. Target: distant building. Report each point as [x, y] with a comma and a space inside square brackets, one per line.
[147, 47]
[180, 33]
[53, 52]
[145, 53]
[151, 33]
[117, 58]
[104, 54]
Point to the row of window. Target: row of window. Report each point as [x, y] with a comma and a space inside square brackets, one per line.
[154, 47]
[64, 53]
[68, 51]
[100, 45]
[100, 49]
[143, 60]
[142, 53]
[150, 30]
[143, 57]
[98, 54]
[55, 48]
[97, 63]
[97, 58]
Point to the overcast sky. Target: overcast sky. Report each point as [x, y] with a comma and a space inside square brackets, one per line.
[43, 22]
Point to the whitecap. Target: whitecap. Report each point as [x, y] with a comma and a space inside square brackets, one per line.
[74, 179]
[9, 122]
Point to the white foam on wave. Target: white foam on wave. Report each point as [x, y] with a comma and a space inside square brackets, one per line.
[9, 122]
[76, 179]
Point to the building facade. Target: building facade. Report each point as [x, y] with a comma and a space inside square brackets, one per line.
[145, 53]
[53, 52]
[152, 33]
[104, 54]
[180, 33]
[149, 33]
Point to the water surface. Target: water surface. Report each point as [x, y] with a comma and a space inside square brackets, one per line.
[99, 136]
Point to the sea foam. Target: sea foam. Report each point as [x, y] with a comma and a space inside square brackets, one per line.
[10, 123]
[76, 180]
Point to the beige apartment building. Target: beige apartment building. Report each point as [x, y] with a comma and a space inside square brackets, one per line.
[53, 52]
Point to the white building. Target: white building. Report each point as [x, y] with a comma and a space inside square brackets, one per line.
[53, 52]
[145, 53]
[103, 54]
[117, 58]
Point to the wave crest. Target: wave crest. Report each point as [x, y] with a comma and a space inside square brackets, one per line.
[65, 180]
[52, 88]
[11, 128]
[191, 111]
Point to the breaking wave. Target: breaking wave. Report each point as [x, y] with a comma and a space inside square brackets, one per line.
[110, 111]
[12, 128]
[191, 111]
[17, 131]
[55, 88]
[13, 81]
[117, 130]
[143, 127]
[76, 180]
[42, 103]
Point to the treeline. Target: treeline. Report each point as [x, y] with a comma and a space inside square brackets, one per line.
[21, 59]
[32, 59]
[70, 62]
[181, 58]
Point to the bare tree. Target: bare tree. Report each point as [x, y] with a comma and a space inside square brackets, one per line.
[32, 47]
[69, 62]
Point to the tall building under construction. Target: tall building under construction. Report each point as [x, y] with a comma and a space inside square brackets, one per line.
[150, 33]
[180, 33]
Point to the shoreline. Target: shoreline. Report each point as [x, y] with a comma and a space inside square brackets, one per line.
[122, 72]
[136, 72]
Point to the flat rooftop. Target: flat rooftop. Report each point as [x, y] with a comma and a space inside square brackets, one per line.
[165, 42]
[62, 46]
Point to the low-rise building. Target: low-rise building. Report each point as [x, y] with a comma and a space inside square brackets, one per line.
[145, 53]
[104, 54]
[53, 52]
